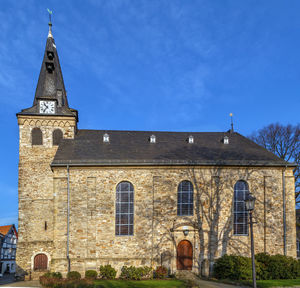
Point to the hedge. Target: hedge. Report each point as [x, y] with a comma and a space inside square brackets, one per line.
[267, 267]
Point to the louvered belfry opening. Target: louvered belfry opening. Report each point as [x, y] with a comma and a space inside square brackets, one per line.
[57, 136]
[36, 136]
[40, 262]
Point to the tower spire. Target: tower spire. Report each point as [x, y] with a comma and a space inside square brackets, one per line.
[50, 24]
[231, 130]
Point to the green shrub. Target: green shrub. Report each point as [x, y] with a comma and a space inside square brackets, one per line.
[91, 274]
[135, 273]
[129, 273]
[47, 281]
[56, 275]
[264, 260]
[73, 275]
[47, 275]
[107, 272]
[224, 267]
[277, 266]
[234, 267]
[267, 267]
[161, 272]
[66, 283]
[146, 272]
[51, 279]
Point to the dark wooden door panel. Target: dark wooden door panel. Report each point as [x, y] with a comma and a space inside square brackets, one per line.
[40, 262]
[184, 255]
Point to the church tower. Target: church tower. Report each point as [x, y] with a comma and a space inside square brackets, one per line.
[41, 127]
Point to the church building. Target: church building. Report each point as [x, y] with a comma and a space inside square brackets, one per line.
[95, 197]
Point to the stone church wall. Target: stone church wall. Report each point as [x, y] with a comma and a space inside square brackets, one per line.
[157, 228]
[35, 186]
[92, 215]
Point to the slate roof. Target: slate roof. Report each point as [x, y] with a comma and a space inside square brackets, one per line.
[50, 84]
[171, 148]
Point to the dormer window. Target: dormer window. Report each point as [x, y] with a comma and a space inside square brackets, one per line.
[226, 140]
[49, 67]
[191, 139]
[106, 138]
[152, 139]
[50, 55]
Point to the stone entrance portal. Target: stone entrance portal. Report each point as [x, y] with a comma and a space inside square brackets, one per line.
[184, 255]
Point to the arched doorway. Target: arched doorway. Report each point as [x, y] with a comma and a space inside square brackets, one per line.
[184, 255]
[40, 262]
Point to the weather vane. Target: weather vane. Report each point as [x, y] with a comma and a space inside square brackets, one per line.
[50, 23]
[50, 13]
[231, 121]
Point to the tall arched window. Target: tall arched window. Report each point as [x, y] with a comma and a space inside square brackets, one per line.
[124, 208]
[240, 222]
[185, 199]
[40, 262]
[57, 135]
[36, 136]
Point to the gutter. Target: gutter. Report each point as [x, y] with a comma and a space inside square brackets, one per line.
[165, 163]
[68, 219]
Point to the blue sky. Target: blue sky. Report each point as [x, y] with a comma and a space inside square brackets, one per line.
[151, 65]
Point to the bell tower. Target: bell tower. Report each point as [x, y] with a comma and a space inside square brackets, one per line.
[42, 127]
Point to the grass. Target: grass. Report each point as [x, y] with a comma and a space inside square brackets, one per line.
[172, 283]
[266, 283]
[280, 282]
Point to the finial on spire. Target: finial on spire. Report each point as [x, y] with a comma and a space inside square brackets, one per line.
[231, 122]
[50, 24]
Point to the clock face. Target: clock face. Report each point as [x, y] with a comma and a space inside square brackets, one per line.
[47, 107]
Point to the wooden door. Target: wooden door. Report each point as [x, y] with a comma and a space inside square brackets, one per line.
[184, 255]
[40, 262]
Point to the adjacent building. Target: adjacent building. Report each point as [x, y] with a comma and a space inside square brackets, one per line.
[8, 246]
[94, 197]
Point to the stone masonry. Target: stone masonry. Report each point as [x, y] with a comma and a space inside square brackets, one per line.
[157, 228]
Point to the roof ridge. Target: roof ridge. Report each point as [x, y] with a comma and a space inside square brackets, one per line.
[154, 131]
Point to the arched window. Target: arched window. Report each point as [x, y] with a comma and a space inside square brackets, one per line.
[124, 208]
[57, 135]
[40, 262]
[240, 222]
[36, 136]
[185, 199]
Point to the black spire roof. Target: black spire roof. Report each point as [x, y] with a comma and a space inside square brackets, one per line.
[51, 85]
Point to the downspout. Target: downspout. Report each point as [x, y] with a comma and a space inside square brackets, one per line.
[68, 218]
[152, 223]
[284, 211]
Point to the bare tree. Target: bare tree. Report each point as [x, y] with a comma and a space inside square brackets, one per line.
[213, 189]
[210, 198]
[284, 142]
